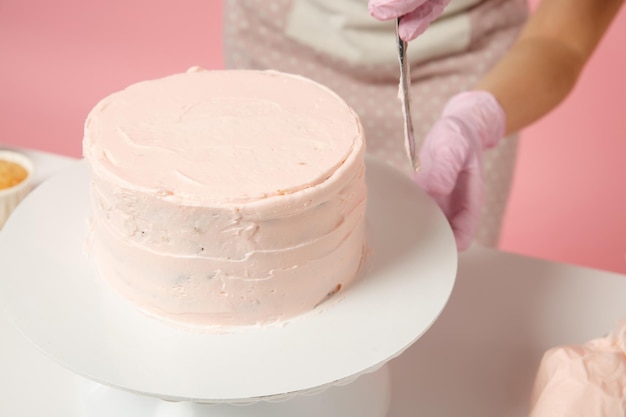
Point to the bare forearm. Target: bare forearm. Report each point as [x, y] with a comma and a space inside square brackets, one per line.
[544, 64]
[532, 79]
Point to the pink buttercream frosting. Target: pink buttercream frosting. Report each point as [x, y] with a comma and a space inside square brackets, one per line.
[225, 136]
[226, 197]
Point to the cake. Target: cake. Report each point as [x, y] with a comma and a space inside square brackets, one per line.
[231, 197]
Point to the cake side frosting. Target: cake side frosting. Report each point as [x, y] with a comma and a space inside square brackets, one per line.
[226, 197]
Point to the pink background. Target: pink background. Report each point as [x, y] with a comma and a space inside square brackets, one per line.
[57, 59]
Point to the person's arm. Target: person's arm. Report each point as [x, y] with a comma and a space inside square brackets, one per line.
[541, 68]
[533, 77]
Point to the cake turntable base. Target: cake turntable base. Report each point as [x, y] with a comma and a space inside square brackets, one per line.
[317, 361]
[367, 396]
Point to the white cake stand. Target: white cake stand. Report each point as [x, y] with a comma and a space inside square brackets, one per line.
[53, 295]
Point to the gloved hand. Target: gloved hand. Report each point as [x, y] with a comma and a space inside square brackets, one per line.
[416, 14]
[451, 159]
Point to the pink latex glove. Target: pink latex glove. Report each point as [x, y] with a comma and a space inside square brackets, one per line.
[416, 14]
[451, 159]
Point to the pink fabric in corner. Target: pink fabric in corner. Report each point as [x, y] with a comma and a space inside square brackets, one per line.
[587, 380]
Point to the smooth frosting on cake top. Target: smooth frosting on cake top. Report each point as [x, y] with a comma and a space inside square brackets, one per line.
[227, 117]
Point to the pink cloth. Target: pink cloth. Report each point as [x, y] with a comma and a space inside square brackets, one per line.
[583, 381]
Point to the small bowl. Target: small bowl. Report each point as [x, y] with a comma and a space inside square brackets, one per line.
[12, 196]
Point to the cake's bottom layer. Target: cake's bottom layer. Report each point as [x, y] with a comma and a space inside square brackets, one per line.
[193, 291]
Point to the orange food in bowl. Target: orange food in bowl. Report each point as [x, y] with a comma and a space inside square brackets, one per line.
[11, 174]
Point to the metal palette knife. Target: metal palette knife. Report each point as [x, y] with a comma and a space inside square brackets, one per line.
[404, 95]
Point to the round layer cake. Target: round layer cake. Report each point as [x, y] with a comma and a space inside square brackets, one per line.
[226, 197]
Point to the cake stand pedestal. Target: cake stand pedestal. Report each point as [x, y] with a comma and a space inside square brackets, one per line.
[367, 396]
[312, 364]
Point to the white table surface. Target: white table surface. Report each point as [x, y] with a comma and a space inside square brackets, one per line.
[478, 359]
